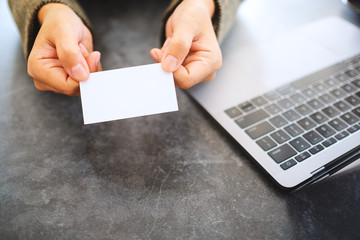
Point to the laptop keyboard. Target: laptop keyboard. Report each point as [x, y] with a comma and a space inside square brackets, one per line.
[298, 120]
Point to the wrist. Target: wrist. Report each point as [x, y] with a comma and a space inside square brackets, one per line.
[49, 9]
[209, 5]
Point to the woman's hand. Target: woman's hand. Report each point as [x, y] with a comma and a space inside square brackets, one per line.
[62, 54]
[191, 50]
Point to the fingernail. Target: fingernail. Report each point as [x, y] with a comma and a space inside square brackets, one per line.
[170, 63]
[79, 72]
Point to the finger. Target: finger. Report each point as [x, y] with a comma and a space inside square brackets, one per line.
[193, 73]
[168, 28]
[99, 69]
[156, 54]
[71, 57]
[56, 77]
[166, 44]
[209, 78]
[178, 47]
[84, 51]
[93, 61]
[44, 87]
[87, 40]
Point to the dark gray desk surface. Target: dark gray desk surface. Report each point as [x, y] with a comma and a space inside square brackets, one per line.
[169, 176]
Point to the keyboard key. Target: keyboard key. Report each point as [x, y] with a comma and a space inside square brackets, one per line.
[316, 149]
[354, 62]
[313, 137]
[320, 87]
[288, 164]
[342, 106]
[309, 92]
[291, 115]
[301, 157]
[285, 103]
[342, 77]
[278, 121]
[266, 143]
[259, 130]
[282, 153]
[348, 88]
[338, 93]
[280, 136]
[325, 130]
[315, 104]
[306, 123]
[273, 109]
[233, 112]
[338, 124]
[353, 128]
[329, 142]
[351, 73]
[326, 98]
[297, 98]
[285, 89]
[299, 144]
[258, 101]
[293, 130]
[251, 118]
[356, 82]
[330, 112]
[246, 106]
[356, 111]
[341, 135]
[303, 109]
[349, 118]
[271, 95]
[318, 117]
[353, 100]
[331, 82]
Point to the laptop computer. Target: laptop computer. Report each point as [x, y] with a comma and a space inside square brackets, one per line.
[293, 103]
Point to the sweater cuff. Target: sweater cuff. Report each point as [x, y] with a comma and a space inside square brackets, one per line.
[225, 17]
[25, 15]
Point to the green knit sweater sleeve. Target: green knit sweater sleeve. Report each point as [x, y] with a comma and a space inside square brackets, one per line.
[25, 16]
[223, 19]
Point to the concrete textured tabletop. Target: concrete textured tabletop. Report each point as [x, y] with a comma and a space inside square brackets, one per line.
[168, 176]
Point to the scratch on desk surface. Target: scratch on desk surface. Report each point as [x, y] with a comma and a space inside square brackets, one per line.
[158, 202]
[152, 188]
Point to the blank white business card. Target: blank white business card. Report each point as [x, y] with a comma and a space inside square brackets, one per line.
[127, 92]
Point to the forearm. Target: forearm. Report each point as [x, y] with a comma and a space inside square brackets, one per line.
[223, 17]
[25, 15]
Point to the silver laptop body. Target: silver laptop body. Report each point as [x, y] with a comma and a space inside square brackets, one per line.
[292, 102]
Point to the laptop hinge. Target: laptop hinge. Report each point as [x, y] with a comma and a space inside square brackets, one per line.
[331, 168]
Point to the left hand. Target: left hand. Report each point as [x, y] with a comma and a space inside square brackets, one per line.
[191, 50]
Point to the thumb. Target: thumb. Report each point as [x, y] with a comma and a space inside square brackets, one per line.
[177, 49]
[71, 58]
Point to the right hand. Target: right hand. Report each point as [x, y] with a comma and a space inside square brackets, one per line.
[62, 54]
